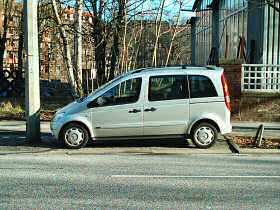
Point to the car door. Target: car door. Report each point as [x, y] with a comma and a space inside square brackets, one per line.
[118, 112]
[166, 107]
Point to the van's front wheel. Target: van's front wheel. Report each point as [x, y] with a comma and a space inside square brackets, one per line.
[204, 135]
[74, 136]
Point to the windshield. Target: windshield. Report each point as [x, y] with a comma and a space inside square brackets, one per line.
[100, 88]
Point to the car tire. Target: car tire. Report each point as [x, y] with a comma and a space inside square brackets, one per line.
[204, 135]
[74, 136]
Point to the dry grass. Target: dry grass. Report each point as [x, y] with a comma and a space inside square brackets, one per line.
[249, 142]
[250, 109]
[11, 110]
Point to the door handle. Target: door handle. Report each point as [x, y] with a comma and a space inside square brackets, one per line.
[152, 109]
[134, 111]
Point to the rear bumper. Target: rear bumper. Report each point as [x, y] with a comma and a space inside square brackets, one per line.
[226, 129]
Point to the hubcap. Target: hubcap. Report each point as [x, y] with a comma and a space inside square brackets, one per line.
[74, 136]
[204, 135]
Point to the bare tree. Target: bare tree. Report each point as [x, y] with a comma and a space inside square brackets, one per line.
[124, 58]
[116, 30]
[78, 54]
[176, 31]
[158, 22]
[66, 48]
[6, 7]
[99, 35]
[20, 42]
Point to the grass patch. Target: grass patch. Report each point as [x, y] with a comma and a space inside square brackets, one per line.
[14, 109]
[8, 106]
[10, 109]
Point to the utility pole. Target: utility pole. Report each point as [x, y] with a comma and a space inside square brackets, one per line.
[32, 79]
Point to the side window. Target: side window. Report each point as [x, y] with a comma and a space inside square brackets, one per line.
[167, 87]
[124, 93]
[201, 87]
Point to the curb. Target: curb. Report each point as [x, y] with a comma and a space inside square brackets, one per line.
[251, 128]
[232, 146]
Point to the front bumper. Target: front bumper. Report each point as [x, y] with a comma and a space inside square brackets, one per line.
[54, 129]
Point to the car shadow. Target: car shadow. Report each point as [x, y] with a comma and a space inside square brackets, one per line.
[10, 138]
[168, 143]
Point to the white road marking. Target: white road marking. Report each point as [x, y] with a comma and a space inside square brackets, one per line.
[203, 177]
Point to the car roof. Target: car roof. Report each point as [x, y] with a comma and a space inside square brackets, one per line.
[176, 69]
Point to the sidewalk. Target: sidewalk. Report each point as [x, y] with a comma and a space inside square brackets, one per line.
[253, 125]
[271, 130]
[13, 141]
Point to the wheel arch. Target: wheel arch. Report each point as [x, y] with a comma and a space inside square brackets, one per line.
[77, 122]
[204, 120]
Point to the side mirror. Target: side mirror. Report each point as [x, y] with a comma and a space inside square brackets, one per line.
[92, 104]
[101, 101]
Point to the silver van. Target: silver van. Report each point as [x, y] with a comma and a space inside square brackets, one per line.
[150, 103]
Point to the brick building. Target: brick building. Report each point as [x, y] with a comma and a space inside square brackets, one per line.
[12, 42]
[51, 53]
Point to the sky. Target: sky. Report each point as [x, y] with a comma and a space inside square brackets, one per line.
[171, 9]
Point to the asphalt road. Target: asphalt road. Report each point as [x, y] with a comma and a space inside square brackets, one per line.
[137, 181]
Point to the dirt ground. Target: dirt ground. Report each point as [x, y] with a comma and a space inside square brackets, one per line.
[249, 142]
[261, 110]
[13, 108]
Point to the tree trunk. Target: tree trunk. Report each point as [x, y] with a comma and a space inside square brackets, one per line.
[100, 58]
[20, 44]
[78, 63]
[8, 4]
[124, 47]
[116, 33]
[115, 54]
[158, 27]
[66, 50]
[174, 34]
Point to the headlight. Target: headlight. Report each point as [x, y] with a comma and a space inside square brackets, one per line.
[58, 116]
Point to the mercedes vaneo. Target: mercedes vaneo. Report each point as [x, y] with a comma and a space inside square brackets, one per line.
[150, 103]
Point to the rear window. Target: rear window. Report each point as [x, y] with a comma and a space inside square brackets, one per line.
[201, 87]
[167, 87]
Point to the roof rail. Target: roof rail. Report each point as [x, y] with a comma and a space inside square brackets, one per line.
[139, 70]
[183, 66]
[211, 67]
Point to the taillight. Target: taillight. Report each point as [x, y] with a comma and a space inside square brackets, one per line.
[226, 92]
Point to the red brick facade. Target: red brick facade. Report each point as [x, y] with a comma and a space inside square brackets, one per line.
[233, 75]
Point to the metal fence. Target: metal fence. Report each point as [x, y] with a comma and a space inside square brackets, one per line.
[11, 82]
[260, 78]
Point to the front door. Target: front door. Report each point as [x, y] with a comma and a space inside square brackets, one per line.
[118, 112]
[166, 108]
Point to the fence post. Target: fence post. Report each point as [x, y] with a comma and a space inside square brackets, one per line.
[242, 78]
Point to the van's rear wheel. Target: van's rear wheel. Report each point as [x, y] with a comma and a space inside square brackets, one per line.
[74, 136]
[204, 135]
